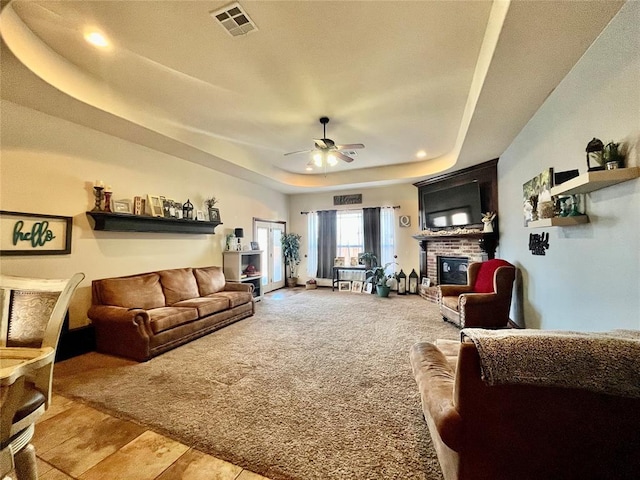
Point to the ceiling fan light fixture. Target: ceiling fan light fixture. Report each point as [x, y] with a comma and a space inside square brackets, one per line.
[332, 160]
[421, 154]
[317, 159]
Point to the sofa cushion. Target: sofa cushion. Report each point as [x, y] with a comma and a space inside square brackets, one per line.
[178, 284]
[210, 280]
[138, 291]
[205, 305]
[235, 298]
[164, 318]
[484, 279]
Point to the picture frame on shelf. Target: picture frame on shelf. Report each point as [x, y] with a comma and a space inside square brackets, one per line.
[367, 288]
[121, 206]
[338, 262]
[426, 282]
[214, 215]
[155, 205]
[344, 286]
[200, 215]
[356, 286]
[354, 261]
[255, 246]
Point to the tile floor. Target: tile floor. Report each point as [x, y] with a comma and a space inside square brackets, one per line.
[74, 441]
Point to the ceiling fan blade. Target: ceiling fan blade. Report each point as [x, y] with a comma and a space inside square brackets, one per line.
[350, 146]
[299, 151]
[320, 143]
[342, 156]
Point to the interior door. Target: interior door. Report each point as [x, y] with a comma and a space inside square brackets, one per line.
[268, 235]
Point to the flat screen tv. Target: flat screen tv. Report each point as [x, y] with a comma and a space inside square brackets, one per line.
[452, 207]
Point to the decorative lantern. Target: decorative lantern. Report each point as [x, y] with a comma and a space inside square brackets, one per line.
[595, 149]
[402, 283]
[413, 281]
[187, 210]
[239, 234]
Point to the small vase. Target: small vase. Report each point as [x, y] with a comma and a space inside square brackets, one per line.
[382, 290]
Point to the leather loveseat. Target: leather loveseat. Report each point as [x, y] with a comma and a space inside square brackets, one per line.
[524, 432]
[141, 316]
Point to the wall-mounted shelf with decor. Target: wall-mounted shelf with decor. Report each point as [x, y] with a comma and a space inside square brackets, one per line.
[120, 222]
[559, 221]
[592, 181]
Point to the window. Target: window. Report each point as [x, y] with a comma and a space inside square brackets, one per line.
[349, 236]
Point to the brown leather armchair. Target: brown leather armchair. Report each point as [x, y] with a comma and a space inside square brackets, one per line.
[486, 299]
[524, 432]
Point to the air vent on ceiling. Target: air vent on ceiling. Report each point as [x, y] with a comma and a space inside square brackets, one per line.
[234, 20]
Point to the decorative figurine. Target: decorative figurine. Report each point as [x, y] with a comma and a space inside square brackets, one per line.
[487, 220]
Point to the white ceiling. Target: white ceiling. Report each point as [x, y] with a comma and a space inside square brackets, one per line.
[457, 79]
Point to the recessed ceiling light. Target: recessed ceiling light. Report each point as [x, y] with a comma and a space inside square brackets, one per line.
[97, 39]
[421, 154]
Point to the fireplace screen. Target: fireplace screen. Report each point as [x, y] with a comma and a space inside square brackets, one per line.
[452, 270]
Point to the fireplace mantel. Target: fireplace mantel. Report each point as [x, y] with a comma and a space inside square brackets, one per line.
[439, 237]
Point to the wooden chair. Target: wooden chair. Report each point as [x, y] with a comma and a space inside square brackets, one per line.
[486, 299]
[33, 311]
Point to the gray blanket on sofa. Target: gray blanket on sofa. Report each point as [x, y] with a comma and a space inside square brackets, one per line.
[606, 362]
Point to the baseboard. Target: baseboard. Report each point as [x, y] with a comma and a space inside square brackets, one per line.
[76, 342]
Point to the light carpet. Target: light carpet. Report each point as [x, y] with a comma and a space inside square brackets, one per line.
[316, 385]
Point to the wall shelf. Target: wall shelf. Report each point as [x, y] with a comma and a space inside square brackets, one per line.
[559, 221]
[121, 222]
[592, 181]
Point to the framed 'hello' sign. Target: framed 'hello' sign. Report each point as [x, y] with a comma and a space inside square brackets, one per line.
[34, 234]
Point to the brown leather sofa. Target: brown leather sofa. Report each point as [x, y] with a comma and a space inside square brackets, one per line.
[141, 316]
[521, 431]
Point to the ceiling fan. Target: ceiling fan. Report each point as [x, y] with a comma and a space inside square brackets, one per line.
[325, 147]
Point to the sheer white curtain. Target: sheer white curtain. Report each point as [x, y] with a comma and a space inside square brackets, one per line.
[312, 244]
[387, 235]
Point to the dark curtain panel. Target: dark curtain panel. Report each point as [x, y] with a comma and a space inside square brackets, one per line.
[327, 239]
[371, 220]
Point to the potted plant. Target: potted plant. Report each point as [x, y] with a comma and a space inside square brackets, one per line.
[214, 213]
[379, 277]
[369, 259]
[291, 252]
[612, 157]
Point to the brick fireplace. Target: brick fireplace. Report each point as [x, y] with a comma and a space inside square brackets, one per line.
[469, 241]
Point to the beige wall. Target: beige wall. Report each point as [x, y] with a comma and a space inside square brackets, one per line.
[590, 277]
[48, 166]
[406, 196]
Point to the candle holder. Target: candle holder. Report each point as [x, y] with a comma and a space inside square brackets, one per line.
[98, 193]
[107, 200]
